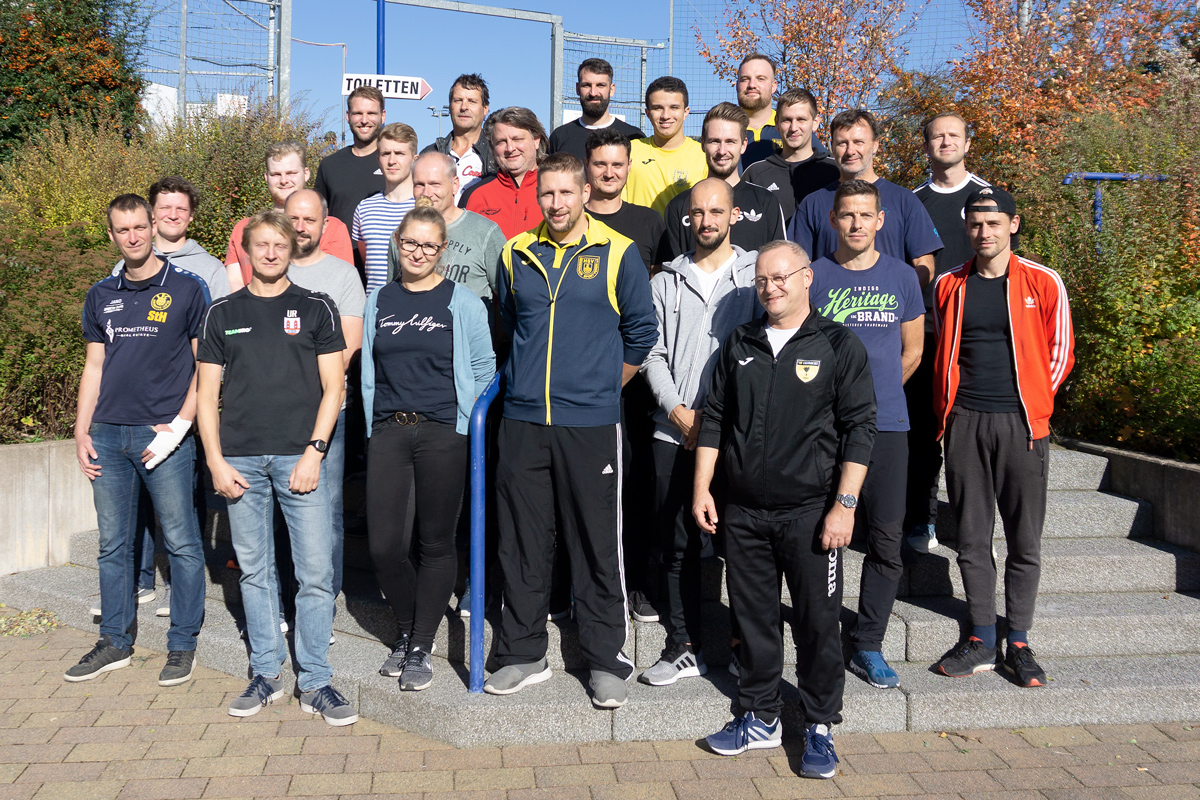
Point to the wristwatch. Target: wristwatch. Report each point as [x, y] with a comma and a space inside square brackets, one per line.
[320, 445]
[848, 500]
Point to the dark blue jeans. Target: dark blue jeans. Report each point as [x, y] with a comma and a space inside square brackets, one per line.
[116, 492]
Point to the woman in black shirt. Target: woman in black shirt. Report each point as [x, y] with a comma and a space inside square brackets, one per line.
[427, 355]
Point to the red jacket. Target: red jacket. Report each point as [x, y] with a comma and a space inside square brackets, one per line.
[1039, 325]
[514, 208]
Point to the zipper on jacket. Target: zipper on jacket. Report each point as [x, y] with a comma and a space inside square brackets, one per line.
[961, 296]
[1013, 343]
[767, 419]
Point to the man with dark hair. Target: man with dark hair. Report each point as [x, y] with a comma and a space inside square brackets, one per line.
[595, 88]
[469, 101]
[944, 196]
[1004, 348]
[575, 298]
[907, 233]
[509, 197]
[756, 87]
[758, 218]
[802, 165]
[667, 163]
[136, 403]
[607, 166]
[791, 411]
[878, 297]
[350, 175]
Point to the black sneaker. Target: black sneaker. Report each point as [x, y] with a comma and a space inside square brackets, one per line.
[973, 656]
[1019, 663]
[640, 608]
[417, 673]
[102, 658]
[395, 662]
[180, 666]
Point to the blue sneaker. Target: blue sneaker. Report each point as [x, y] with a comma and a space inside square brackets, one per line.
[870, 666]
[746, 732]
[819, 760]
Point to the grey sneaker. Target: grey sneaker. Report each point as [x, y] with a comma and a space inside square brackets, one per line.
[95, 610]
[146, 596]
[923, 538]
[608, 691]
[329, 703]
[395, 662]
[164, 606]
[417, 673]
[515, 677]
[262, 690]
[100, 659]
[180, 666]
[677, 661]
[735, 665]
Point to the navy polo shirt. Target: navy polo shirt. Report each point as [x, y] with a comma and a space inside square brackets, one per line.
[907, 231]
[146, 328]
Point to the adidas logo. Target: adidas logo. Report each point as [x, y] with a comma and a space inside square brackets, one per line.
[377, 172]
[774, 187]
[752, 215]
[608, 470]
[1030, 302]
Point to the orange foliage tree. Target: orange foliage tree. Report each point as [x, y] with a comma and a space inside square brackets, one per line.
[843, 51]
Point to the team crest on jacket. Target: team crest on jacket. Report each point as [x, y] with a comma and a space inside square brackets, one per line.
[807, 370]
[589, 267]
[291, 323]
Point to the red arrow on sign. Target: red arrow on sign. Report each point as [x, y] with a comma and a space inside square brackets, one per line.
[425, 89]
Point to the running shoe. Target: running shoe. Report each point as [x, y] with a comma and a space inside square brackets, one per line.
[819, 759]
[677, 661]
[1019, 663]
[972, 657]
[872, 668]
[743, 733]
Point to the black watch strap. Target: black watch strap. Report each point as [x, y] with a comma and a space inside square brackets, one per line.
[320, 445]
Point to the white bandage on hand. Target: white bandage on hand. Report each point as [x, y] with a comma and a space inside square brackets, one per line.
[165, 442]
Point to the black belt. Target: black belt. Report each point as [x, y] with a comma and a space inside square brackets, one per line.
[409, 418]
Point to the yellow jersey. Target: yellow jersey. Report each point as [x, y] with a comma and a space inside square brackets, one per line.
[657, 175]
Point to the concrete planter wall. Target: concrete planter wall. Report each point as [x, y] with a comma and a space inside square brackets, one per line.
[1172, 486]
[44, 499]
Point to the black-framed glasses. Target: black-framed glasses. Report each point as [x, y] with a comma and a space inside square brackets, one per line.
[778, 280]
[411, 245]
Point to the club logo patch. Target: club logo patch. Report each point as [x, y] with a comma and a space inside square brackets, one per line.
[160, 301]
[807, 370]
[589, 267]
[291, 323]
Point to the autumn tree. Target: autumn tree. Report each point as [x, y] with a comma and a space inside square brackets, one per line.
[842, 51]
[66, 58]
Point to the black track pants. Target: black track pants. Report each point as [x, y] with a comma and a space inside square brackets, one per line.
[882, 512]
[924, 449]
[576, 472]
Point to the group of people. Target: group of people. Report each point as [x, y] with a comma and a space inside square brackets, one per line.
[735, 341]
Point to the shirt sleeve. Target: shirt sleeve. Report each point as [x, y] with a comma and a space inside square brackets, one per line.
[352, 297]
[639, 329]
[327, 336]
[912, 301]
[211, 347]
[319, 185]
[776, 230]
[493, 246]
[712, 419]
[196, 309]
[801, 230]
[920, 236]
[336, 240]
[92, 330]
[655, 369]
[356, 232]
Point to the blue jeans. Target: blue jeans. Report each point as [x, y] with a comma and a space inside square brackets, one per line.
[333, 473]
[116, 494]
[310, 530]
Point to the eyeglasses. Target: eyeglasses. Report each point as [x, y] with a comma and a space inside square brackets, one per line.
[778, 280]
[411, 245]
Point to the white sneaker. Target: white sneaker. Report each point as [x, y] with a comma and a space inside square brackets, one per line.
[923, 538]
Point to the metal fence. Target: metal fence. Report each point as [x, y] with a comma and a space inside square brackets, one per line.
[220, 54]
[635, 63]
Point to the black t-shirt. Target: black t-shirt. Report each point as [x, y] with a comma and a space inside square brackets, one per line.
[985, 361]
[639, 223]
[761, 222]
[571, 137]
[945, 207]
[414, 353]
[792, 181]
[269, 348]
[345, 180]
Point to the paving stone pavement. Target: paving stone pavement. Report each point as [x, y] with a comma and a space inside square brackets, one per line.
[122, 736]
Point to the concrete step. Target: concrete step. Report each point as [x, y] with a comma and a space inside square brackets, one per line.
[1073, 514]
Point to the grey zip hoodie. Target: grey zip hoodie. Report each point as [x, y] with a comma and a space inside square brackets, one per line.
[196, 260]
[690, 331]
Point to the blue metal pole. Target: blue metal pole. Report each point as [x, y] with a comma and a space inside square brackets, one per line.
[478, 519]
[1098, 208]
[1097, 198]
[380, 6]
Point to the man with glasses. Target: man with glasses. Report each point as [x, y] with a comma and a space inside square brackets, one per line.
[791, 393]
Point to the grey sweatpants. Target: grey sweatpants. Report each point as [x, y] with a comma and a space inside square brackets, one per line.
[989, 464]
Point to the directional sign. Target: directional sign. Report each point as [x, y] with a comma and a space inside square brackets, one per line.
[396, 87]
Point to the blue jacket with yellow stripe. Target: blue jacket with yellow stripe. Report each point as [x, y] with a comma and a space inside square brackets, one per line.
[576, 312]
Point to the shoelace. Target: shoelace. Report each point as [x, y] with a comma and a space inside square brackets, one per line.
[738, 727]
[259, 689]
[822, 745]
[1024, 655]
[328, 697]
[175, 658]
[415, 659]
[94, 653]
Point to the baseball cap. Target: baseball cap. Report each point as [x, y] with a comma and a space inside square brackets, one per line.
[991, 198]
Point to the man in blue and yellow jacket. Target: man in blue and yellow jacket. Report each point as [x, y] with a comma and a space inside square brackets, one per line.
[575, 298]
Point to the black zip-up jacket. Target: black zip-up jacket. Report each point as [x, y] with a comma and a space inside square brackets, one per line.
[778, 422]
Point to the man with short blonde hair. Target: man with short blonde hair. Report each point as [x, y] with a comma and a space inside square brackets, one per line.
[378, 216]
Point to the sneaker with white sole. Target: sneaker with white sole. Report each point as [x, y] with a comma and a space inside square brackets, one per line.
[819, 759]
[164, 606]
[677, 661]
[103, 657]
[923, 538]
[261, 691]
[179, 668]
[515, 677]
[143, 596]
[417, 672]
[329, 703]
[872, 668]
[395, 662]
[640, 608]
[735, 666]
[608, 690]
[743, 733]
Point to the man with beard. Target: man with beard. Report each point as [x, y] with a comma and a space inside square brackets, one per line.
[759, 218]
[595, 88]
[756, 87]
[465, 143]
[313, 269]
[607, 166]
[802, 165]
[352, 174]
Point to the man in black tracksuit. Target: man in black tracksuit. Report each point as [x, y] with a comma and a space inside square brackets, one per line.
[791, 393]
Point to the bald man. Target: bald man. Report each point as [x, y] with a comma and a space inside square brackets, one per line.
[699, 298]
[316, 270]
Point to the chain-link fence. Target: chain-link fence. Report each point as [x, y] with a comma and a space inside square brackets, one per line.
[220, 54]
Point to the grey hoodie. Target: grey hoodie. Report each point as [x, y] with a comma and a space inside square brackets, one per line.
[690, 331]
[196, 260]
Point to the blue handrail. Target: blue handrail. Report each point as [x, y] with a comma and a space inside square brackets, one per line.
[1098, 198]
[478, 518]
